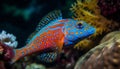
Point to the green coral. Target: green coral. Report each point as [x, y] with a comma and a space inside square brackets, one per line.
[89, 11]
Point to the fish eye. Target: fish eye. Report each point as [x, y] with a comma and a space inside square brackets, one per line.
[79, 25]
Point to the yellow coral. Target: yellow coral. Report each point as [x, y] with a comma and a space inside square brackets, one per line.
[84, 44]
[89, 11]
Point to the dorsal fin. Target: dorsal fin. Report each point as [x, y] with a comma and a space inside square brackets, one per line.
[54, 15]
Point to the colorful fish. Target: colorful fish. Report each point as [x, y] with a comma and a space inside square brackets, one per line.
[52, 34]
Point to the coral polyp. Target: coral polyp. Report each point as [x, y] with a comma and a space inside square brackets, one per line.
[8, 39]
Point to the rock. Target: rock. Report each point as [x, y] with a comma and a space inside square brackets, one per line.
[35, 66]
[109, 36]
[104, 56]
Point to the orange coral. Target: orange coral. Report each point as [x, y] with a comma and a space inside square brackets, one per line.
[89, 11]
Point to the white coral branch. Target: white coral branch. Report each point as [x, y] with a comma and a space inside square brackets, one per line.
[8, 39]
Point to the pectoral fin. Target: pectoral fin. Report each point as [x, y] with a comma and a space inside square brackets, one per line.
[60, 44]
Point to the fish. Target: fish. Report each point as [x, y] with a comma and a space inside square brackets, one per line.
[52, 34]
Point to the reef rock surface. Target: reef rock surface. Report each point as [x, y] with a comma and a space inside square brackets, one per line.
[104, 56]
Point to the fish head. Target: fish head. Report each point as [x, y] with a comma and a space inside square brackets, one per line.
[76, 30]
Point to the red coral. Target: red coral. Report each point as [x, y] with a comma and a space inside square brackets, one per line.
[2, 65]
[7, 53]
[109, 7]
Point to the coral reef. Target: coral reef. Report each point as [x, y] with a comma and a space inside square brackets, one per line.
[8, 39]
[106, 55]
[109, 7]
[67, 58]
[21, 18]
[6, 52]
[89, 11]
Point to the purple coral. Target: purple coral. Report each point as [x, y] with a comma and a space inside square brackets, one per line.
[2, 65]
[109, 7]
[6, 52]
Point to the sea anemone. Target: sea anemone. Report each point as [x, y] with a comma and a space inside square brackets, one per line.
[8, 39]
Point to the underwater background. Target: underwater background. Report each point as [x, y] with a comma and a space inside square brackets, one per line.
[19, 19]
[24, 16]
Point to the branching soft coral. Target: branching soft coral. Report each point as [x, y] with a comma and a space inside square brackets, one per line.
[89, 11]
[84, 44]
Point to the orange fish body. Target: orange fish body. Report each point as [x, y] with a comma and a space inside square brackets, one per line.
[53, 32]
[42, 42]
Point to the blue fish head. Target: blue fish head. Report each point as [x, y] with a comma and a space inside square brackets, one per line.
[77, 30]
